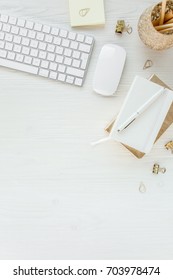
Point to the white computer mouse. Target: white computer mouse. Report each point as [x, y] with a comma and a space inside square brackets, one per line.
[109, 69]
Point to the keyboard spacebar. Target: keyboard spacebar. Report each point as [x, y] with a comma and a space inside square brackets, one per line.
[18, 66]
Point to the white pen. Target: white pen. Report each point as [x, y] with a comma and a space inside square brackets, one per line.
[140, 110]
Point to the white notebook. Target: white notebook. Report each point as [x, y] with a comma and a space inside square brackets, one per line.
[142, 133]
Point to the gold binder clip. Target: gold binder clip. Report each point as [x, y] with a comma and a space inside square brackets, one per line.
[157, 169]
[120, 26]
[169, 146]
[148, 64]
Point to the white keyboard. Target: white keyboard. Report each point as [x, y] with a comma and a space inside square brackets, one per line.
[43, 50]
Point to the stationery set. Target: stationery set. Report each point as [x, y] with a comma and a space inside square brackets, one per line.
[140, 135]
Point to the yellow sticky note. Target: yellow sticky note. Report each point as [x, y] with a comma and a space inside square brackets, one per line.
[87, 12]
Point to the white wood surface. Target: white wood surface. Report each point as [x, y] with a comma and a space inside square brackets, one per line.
[60, 198]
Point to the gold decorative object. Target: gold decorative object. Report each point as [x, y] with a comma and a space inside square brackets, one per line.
[84, 12]
[157, 169]
[148, 64]
[120, 26]
[149, 21]
[169, 146]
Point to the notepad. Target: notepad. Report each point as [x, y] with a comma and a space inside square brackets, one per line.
[86, 12]
[142, 133]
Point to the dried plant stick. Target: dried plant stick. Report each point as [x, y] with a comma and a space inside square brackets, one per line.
[169, 21]
[162, 16]
[168, 16]
[166, 30]
[155, 22]
[161, 27]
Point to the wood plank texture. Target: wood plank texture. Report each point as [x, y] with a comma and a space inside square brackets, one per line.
[60, 198]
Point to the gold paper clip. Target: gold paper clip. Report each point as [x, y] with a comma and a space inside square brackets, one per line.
[169, 146]
[157, 169]
[120, 26]
[148, 64]
[142, 188]
[129, 29]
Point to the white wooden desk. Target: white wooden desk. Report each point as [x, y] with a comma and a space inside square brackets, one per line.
[60, 198]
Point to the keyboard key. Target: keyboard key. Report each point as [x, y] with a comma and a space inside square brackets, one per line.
[18, 66]
[4, 18]
[46, 29]
[84, 48]
[6, 27]
[12, 20]
[31, 34]
[44, 73]
[61, 68]
[59, 50]
[8, 37]
[70, 79]
[74, 45]
[84, 64]
[33, 44]
[2, 44]
[53, 75]
[11, 55]
[71, 35]
[17, 39]
[78, 82]
[49, 38]
[53, 66]
[68, 61]
[3, 53]
[15, 30]
[61, 77]
[65, 43]
[23, 32]
[21, 22]
[67, 52]
[34, 52]
[51, 56]
[17, 48]
[76, 54]
[27, 60]
[80, 38]
[76, 63]
[50, 48]
[40, 36]
[25, 50]
[38, 27]
[54, 31]
[42, 46]
[2, 35]
[36, 61]
[57, 41]
[75, 72]
[25, 41]
[29, 25]
[42, 54]
[88, 40]
[59, 58]
[19, 57]
[63, 33]
[9, 46]
[44, 64]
